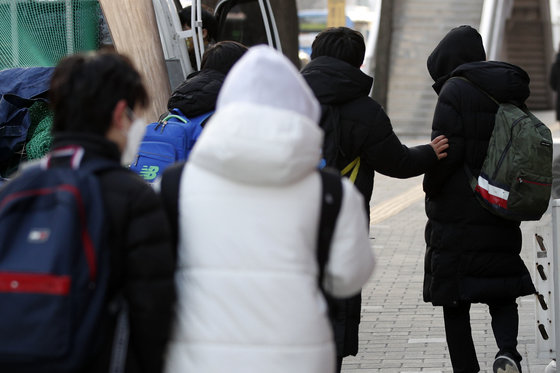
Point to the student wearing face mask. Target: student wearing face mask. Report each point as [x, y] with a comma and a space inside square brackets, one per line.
[98, 120]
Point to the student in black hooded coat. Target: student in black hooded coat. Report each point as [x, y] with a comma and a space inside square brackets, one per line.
[472, 255]
[355, 125]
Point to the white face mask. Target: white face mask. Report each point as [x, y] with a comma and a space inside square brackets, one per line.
[135, 134]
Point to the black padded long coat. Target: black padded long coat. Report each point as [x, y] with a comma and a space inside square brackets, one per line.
[472, 255]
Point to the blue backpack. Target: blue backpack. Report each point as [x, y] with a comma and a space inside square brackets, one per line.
[54, 265]
[166, 141]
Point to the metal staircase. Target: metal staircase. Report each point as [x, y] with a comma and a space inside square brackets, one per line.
[418, 26]
[528, 44]
[515, 31]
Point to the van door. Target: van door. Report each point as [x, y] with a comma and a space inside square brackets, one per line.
[249, 22]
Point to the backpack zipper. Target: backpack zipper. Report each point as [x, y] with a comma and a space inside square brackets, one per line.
[521, 180]
[503, 155]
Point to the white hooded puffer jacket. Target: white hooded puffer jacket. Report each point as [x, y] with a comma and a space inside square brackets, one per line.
[249, 203]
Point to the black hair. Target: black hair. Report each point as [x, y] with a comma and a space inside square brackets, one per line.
[208, 21]
[342, 43]
[85, 89]
[221, 56]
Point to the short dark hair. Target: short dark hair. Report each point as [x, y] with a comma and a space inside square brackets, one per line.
[342, 43]
[208, 21]
[85, 89]
[222, 56]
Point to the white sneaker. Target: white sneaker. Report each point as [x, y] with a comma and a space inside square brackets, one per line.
[504, 364]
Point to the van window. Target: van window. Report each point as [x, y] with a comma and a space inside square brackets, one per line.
[242, 22]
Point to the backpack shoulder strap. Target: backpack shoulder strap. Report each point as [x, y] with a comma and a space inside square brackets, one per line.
[202, 118]
[472, 179]
[72, 157]
[170, 184]
[477, 87]
[331, 200]
[180, 118]
[353, 166]
[330, 123]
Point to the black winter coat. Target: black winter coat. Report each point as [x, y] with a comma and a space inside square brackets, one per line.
[142, 258]
[197, 95]
[356, 125]
[472, 255]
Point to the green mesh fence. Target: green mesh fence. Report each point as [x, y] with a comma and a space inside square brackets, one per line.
[40, 32]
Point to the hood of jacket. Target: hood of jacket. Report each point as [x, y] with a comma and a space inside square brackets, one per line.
[461, 53]
[501, 80]
[334, 81]
[265, 127]
[198, 94]
[461, 45]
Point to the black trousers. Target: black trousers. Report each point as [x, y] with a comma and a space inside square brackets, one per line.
[505, 325]
[338, 364]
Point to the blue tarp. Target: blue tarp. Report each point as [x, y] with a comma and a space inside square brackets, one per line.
[19, 89]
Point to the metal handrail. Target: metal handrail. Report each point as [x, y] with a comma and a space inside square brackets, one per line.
[369, 60]
[556, 274]
[492, 25]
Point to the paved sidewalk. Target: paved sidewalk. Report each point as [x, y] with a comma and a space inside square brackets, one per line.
[399, 332]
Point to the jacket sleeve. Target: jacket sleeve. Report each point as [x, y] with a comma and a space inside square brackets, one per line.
[386, 154]
[351, 259]
[149, 279]
[447, 121]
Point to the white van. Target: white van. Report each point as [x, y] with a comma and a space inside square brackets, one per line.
[249, 22]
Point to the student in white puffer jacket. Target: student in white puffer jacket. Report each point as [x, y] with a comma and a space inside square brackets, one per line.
[249, 206]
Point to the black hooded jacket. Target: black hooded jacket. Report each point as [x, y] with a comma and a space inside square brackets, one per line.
[358, 126]
[472, 255]
[197, 95]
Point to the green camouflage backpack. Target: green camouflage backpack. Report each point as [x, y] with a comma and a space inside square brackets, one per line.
[516, 177]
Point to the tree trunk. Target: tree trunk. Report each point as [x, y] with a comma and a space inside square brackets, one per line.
[383, 54]
[137, 36]
[285, 13]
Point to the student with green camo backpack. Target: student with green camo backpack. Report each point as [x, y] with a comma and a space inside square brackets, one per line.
[496, 173]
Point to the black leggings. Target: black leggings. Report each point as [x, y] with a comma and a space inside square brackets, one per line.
[505, 325]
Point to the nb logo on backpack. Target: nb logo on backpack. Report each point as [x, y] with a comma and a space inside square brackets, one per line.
[149, 173]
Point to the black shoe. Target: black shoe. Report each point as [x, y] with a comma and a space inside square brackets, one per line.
[505, 364]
